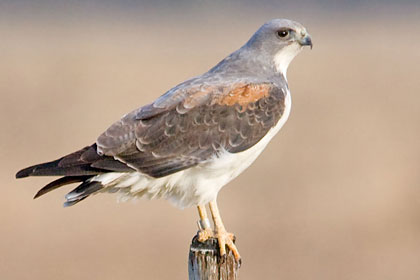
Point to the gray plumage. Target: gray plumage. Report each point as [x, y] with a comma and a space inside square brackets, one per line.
[230, 108]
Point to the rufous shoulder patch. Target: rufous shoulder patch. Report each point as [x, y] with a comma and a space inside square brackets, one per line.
[245, 94]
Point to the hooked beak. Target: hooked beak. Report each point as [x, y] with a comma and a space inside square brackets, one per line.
[306, 41]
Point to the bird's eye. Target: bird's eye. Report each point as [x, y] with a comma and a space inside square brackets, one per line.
[283, 33]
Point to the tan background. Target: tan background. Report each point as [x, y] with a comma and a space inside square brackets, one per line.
[336, 195]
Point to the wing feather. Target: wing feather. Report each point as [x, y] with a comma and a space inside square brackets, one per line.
[193, 126]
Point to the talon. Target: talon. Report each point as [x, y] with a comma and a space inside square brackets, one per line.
[227, 239]
[205, 234]
[223, 258]
[232, 236]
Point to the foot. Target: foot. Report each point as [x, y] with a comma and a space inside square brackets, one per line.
[205, 234]
[227, 239]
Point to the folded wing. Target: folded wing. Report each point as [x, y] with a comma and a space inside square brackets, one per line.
[193, 125]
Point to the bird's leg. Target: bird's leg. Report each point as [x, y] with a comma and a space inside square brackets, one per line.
[205, 231]
[224, 238]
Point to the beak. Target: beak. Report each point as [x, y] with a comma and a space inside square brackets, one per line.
[306, 41]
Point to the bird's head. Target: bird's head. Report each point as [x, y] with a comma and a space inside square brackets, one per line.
[280, 40]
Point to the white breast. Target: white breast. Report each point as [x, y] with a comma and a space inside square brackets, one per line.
[196, 185]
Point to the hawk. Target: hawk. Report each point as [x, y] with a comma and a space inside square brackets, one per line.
[195, 138]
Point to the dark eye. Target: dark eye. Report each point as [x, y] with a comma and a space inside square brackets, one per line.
[283, 33]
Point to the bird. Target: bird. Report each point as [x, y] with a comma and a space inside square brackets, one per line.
[195, 138]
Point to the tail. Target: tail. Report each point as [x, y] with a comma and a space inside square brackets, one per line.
[79, 167]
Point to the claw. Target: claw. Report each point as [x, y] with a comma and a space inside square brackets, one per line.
[205, 234]
[227, 239]
[223, 259]
[232, 237]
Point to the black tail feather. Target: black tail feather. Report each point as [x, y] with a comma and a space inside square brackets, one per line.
[80, 163]
[76, 167]
[74, 164]
[82, 191]
[31, 170]
[73, 202]
[49, 169]
[60, 182]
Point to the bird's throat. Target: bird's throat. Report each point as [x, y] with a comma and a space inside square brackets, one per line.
[283, 58]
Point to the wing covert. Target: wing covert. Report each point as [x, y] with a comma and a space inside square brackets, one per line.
[161, 140]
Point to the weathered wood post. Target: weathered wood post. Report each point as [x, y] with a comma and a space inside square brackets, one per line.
[205, 263]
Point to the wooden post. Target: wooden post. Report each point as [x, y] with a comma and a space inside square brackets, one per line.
[205, 263]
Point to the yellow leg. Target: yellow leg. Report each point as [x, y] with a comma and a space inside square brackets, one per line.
[224, 238]
[205, 231]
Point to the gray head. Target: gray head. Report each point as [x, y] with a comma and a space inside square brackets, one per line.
[268, 52]
[279, 40]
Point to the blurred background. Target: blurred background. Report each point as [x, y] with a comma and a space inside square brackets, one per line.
[336, 195]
